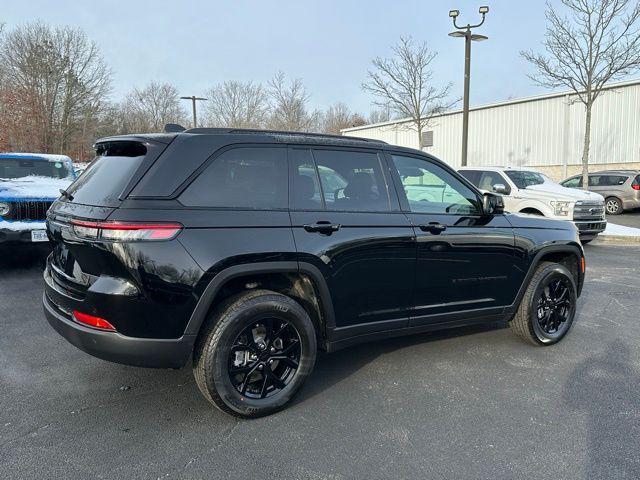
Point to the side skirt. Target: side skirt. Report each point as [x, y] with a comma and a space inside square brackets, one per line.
[335, 345]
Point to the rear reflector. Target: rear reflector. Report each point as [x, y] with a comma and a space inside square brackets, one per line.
[582, 265]
[125, 231]
[95, 322]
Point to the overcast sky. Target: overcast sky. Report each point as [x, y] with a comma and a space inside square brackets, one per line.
[328, 43]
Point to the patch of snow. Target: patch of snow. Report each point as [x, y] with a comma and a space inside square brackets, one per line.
[19, 226]
[613, 229]
[33, 187]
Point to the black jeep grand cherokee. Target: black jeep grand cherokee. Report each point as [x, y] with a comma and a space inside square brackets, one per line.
[250, 250]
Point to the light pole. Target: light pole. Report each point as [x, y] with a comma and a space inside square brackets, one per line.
[465, 32]
[193, 99]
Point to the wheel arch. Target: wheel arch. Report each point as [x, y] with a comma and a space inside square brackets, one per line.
[568, 255]
[299, 280]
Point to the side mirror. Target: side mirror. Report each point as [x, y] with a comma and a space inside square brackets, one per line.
[492, 204]
[500, 188]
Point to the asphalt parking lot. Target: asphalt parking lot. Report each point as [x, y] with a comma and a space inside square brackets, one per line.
[630, 218]
[470, 403]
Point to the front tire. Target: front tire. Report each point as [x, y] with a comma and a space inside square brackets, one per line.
[548, 307]
[254, 353]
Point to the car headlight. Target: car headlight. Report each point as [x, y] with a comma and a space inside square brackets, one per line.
[5, 208]
[560, 209]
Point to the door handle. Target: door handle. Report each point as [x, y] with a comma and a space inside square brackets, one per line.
[322, 226]
[433, 227]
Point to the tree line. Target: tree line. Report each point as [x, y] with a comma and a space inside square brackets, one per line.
[55, 96]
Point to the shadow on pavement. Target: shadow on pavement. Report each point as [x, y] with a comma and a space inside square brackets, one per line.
[22, 258]
[604, 389]
[332, 368]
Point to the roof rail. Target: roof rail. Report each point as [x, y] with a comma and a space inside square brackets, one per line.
[282, 132]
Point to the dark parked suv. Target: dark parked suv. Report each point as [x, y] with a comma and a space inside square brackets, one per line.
[248, 251]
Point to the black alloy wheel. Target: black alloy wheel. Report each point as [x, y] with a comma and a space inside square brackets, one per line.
[554, 307]
[264, 358]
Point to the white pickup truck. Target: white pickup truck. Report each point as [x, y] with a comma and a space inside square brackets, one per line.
[526, 190]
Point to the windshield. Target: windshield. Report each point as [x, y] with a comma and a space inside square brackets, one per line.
[524, 178]
[11, 168]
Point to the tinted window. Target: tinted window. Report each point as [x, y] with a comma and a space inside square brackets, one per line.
[21, 167]
[597, 180]
[306, 186]
[253, 178]
[352, 181]
[432, 189]
[615, 180]
[524, 179]
[472, 175]
[106, 177]
[574, 182]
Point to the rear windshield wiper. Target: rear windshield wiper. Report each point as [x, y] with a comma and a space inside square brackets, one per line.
[66, 194]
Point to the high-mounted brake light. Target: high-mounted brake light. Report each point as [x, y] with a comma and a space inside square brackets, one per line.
[92, 321]
[125, 231]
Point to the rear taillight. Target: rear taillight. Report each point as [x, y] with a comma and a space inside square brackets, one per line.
[636, 186]
[125, 231]
[92, 321]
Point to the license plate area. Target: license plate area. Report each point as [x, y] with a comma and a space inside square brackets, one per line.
[39, 236]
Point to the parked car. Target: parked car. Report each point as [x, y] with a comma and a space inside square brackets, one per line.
[29, 184]
[620, 188]
[528, 191]
[249, 251]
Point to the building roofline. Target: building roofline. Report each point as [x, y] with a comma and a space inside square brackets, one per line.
[534, 98]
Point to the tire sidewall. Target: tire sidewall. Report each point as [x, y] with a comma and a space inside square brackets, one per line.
[550, 272]
[275, 306]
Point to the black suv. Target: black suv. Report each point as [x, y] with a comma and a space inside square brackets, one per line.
[248, 251]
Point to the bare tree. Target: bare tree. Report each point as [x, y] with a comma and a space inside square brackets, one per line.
[379, 115]
[289, 105]
[62, 76]
[149, 109]
[237, 104]
[403, 84]
[597, 43]
[337, 117]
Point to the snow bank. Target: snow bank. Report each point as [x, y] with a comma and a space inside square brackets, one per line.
[33, 187]
[21, 226]
[613, 229]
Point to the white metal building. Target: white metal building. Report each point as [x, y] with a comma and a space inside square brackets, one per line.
[545, 131]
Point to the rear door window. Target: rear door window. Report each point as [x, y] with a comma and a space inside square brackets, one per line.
[351, 181]
[105, 179]
[252, 178]
[472, 175]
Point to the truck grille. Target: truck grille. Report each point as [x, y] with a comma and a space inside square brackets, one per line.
[28, 210]
[588, 211]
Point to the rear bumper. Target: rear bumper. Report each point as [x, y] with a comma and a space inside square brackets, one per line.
[113, 346]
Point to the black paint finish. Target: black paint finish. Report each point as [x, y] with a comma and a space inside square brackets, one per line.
[375, 274]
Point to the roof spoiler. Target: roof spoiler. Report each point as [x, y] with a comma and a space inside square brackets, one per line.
[173, 128]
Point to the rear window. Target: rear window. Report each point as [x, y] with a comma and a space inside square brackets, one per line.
[104, 180]
[242, 178]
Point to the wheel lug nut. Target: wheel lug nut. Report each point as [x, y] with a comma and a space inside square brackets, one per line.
[272, 349]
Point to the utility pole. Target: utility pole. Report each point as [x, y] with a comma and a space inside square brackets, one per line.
[193, 99]
[468, 38]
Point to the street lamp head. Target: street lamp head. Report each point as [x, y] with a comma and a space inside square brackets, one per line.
[484, 9]
[457, 33]
[478, 38]
[454, 13]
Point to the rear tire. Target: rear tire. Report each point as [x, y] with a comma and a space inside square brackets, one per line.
[254, 353]
[548, 307]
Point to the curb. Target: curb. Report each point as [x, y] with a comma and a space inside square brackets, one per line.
[617, 240]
